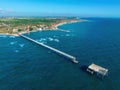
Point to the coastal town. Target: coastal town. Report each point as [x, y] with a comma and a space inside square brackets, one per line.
[15, 25]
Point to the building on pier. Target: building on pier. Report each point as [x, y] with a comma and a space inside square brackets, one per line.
[98, 70]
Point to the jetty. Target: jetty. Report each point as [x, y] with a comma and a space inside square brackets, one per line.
[70, 57]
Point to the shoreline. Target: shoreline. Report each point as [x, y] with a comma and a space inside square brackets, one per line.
[63, 23]
[9, 34]
[53, 27]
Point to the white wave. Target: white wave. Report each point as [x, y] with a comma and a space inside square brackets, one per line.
[12, 36]
[41, 40]
[67, 35]
[3, 36]
[56, 40]
[12, 43]
[55, 36]
[44, 42]
[50, 39]
[16, 51]
[21, 45]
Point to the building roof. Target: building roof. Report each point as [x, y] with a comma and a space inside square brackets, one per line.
[98, 69]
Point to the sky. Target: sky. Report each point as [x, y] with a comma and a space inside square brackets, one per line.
[83, 8]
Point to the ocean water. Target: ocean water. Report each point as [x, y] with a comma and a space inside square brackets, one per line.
[27, 66]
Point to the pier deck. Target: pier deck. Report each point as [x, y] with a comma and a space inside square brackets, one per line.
[72, 58]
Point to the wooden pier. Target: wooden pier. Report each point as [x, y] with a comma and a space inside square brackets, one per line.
[72, 58]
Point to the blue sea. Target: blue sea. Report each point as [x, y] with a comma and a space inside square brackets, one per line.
[27, 66]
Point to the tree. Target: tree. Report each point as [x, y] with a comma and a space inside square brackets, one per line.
[19, 30]
[31, 28]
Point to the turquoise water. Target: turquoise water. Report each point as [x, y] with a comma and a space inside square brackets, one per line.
[27, 66]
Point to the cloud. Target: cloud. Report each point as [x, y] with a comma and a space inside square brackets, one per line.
[2, 11]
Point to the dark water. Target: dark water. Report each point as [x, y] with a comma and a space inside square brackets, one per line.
[27, 66]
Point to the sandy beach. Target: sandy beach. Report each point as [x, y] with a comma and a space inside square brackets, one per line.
[62, 23]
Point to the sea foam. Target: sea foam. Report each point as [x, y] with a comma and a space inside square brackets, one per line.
[50, 39]
[42, 40]
[56, 40]
[67, 35]
[21, 45]
[12, 36]
[12, 43]
[3, 36]
[16, 51]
